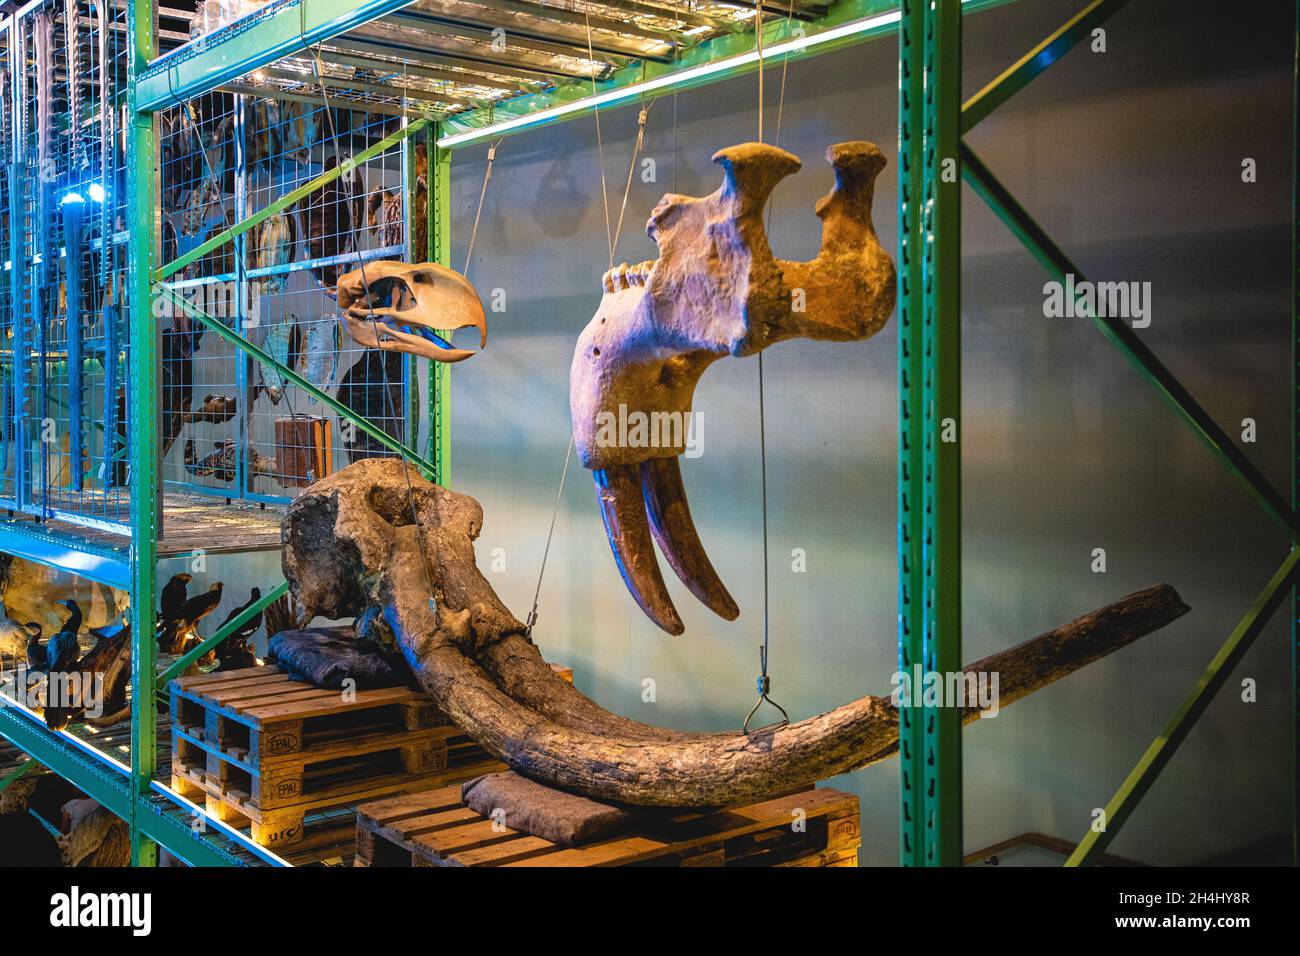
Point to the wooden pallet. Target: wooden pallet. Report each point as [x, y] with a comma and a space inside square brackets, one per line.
[261, 749]
[434, 829]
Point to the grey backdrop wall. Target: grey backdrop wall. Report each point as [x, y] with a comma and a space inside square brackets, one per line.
[1132, 160]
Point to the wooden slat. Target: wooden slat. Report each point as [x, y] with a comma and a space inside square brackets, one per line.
[335, 706]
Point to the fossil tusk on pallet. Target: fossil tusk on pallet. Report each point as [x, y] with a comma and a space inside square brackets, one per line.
[352, 546]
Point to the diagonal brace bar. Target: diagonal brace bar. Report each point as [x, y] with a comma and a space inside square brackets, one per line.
[288, 199]
[179, 665]
[237, 340]
[1019, 75]
[1058, 265]
[21, 770]
[1163, 748]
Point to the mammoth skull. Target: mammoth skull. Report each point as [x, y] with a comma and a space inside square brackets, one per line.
[379, 542]
[398, 306]
[715, 290]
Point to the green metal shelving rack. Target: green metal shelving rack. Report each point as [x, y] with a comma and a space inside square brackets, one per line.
[932, 162]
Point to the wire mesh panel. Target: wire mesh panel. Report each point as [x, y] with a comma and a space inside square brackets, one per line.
[235, 426]
[66, 334]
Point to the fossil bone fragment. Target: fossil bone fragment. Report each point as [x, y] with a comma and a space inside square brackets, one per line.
[400, 306]
[715, 290]
[354, 544]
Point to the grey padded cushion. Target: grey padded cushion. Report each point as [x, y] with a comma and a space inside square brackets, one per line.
[538, 810]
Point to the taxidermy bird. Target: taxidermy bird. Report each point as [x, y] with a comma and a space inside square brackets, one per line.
[14, 637]
[191, 611]
[220, 463]
[384, 213]
[64, 647]
[234, 652]
[171, 602]
[273, 246]
[197, 608]
[37, 656]
[108, 663]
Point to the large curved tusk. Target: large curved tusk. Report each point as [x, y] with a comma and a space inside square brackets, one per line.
[670, 520]
[350, 544]
[538, 734]
[621, 507]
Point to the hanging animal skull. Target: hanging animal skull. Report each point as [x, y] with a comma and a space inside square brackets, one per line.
[378, 542]
[399, 306]
[715, 290]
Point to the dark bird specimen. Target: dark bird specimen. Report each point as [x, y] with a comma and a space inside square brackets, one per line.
[234, 652]
[37, 658]
[64, 647]
[199, 607]
[172, 601]
[109, 661]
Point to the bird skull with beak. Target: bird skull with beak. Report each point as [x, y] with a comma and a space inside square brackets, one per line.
[715, 290]
[400, 306]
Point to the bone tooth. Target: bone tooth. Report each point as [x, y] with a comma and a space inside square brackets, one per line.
[670, 520]
[619, 490]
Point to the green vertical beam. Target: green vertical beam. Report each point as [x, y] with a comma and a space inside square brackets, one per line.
[439, 385]
[143, 422]
[911, 583]
[941, 410]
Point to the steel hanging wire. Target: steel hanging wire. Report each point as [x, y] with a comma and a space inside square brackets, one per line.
[612, 236]
[763, 684]
[318, 71]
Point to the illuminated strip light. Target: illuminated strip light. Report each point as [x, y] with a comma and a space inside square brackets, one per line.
[677, 78]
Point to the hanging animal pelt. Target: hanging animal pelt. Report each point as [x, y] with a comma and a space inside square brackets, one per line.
[93, 837]
[220, 261]
[363, 391]
[283, 342]
[266, 139]
[273, 245]
[301, 130]
[384, 214]
[327, 220]
[204, 201]
[179, 344]
[420, 205]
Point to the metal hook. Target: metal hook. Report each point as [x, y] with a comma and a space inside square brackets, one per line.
[764, 686]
